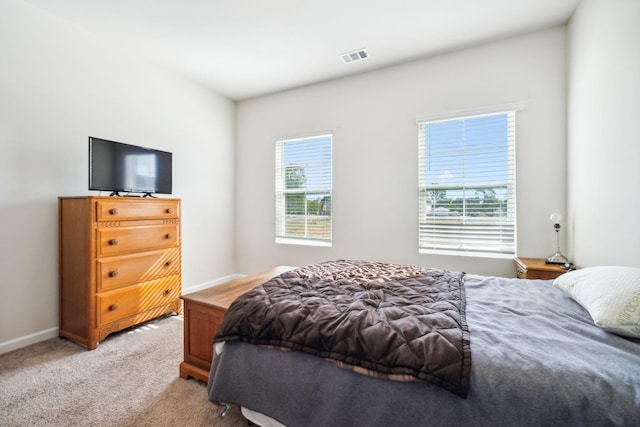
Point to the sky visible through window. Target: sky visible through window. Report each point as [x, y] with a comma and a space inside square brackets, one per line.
[312, 157]
[471, 152]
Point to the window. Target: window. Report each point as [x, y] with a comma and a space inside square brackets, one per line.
[304, 182]
[467, 193]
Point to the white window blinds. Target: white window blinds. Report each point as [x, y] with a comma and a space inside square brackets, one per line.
[304, 183]
[467, 199]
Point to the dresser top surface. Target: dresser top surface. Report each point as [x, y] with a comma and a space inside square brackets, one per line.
[123, 198]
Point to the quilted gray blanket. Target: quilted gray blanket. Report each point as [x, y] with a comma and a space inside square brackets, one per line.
[386, 320]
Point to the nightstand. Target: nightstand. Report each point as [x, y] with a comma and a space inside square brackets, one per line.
[536, 268]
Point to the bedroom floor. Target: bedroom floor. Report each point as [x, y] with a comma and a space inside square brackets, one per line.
[131, 379]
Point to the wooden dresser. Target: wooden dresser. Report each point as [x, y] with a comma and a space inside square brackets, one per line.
[120, 264]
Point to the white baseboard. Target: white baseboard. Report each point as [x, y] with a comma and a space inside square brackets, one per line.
[205, 285]
[26, 340]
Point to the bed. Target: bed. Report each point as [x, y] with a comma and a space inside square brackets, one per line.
[541, 353]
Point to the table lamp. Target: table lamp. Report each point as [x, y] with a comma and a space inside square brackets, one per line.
[557, 258]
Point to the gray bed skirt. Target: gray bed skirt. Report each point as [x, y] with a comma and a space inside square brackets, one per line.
[537, 359]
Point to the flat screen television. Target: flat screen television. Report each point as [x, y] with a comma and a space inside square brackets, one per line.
[118, 167]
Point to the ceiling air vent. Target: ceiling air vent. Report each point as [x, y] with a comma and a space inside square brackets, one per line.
[356, 55]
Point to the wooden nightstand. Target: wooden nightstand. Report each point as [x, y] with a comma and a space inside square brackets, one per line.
[536, 268]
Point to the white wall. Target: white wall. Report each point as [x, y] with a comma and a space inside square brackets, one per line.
[604, 133]
[57, 87]
[372, 117]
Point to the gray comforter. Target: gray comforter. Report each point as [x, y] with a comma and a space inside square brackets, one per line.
[394, 321]
[537, 360]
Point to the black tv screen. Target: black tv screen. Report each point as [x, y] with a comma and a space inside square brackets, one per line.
[118, 167]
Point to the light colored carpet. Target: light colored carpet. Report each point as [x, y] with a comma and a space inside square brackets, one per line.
[131, 379]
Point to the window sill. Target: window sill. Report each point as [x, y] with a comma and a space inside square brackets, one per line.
[302, 242]
[466, 253]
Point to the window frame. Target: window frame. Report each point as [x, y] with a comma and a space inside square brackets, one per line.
[282, 236]
[457, 227]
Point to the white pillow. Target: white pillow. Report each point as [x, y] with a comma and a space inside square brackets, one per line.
[611, 295]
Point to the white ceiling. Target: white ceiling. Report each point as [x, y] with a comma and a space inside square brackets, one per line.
[246, 48]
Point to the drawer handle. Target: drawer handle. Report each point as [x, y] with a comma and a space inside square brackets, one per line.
[113, 273]
[168, 236]
[168, 263]
[113, 307]
[167, 291]
[169, 210]
[114, 211]
[113, 242]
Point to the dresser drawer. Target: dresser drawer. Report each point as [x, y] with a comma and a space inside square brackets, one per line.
[122, 240]
[122, 209]
[116, 272]
[121, 303]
